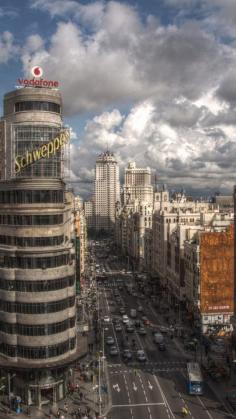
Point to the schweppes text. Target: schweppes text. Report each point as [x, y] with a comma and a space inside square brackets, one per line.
[44, 151]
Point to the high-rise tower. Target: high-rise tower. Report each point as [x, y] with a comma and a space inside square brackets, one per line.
[37, 267]
[107, 191]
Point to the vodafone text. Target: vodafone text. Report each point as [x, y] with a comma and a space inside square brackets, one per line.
[38, 82]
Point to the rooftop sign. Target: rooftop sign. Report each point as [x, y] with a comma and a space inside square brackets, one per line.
[37, 80]
[44, 151]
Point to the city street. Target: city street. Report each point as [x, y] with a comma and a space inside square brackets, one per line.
[156, 388]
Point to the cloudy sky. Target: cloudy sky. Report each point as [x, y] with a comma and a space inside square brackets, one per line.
[152, 80]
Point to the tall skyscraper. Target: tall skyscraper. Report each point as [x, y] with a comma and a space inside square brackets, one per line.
[37, 267]
[107, 191]
[137, 184]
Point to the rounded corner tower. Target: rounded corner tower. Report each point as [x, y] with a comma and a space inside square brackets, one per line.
[37, 267]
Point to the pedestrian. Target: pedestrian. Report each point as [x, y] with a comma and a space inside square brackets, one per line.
[81, 396]
[66, 407]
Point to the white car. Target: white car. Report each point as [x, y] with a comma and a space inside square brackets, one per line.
[106, 319]
[113, 350]
[110, 340]
[141, 356]
[125, 319]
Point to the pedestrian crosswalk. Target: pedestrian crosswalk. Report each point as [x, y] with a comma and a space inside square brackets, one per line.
[148, 367]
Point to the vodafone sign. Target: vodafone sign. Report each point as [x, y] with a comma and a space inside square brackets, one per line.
[37, 71]
[37, 80]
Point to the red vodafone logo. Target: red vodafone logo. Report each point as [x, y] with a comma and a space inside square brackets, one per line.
[37, 71]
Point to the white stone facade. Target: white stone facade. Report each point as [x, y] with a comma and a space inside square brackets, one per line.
[107, 191]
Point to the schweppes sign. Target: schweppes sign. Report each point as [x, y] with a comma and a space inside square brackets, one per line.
[45, 151]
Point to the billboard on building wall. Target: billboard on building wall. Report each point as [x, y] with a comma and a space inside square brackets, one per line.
[217, 271]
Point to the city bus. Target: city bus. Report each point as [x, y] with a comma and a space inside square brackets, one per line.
[194, 378]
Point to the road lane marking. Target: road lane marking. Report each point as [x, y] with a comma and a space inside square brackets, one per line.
[168, 408]
[139, 404]
[116, 387]
[206, 410]
[134, 387]
[149, 385]
[149, 411]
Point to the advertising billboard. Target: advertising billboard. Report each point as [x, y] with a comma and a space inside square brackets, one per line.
[217, 271]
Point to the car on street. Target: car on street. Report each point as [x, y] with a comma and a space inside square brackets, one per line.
[110, 340]
[158, 338]
[140, 309]
[113, 351]
[138, 323]
[231, 398]
[125, 319]
[142, 331]
[118, 327]
[164, 329]
[141, 355]
[130, 328]
[106, 319]
[127, 354]
[145, 320]
[122, 310]
[190, 345]
[161, 346]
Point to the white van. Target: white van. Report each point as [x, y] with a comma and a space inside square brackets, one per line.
[133, 313]
[125, 319]
[158, 338]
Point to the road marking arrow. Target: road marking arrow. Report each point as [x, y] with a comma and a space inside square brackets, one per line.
[134, 387]
[150, 386]
[116, 387]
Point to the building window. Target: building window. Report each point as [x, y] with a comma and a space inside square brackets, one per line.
[39, 329]
[34, 105]
[34, 262]
[37, 352]
[31, 197]
[26, 220]
[37, 308]
[37, 286]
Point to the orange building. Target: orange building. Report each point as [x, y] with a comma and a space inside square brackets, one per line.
[217, 276]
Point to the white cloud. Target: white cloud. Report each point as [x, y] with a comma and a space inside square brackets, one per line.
[123, 59]
[177, 83]
[194, 157]
[8, 48]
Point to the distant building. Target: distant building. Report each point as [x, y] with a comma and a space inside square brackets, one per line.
[168, 214]
[78, 203]
[81, 245]
[137, 184]
[89, 214]
[209, 277]
[225, 202]
[107, 191]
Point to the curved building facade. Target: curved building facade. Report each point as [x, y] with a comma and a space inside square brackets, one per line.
[37, 267]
